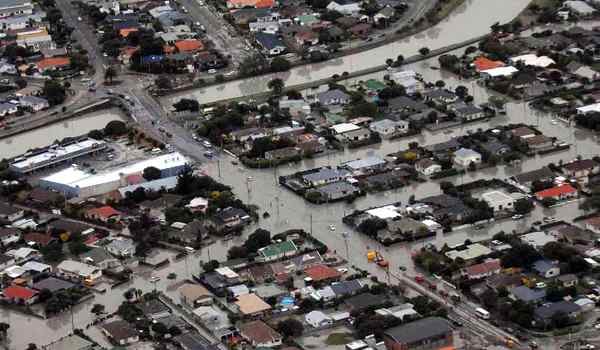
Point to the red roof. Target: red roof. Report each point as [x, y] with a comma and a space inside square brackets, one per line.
[190, 45]
[484, 63]
[322, 272]
[53, 62]
[104, 212]
[483, 268]
[251, 3]
[556, 191]
[39, 238]
[135, 179]
[18, 292]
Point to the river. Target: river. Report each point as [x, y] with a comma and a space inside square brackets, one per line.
[20, 143]
[470, 20]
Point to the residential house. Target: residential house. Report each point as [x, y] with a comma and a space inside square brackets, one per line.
[318, 319]
[257, 4]
[558, 193]
[283, 153]
[260, 335]
[322, 273]
[440, 96]
[546, 268]
[542, 174]
[466, 156]
[194, 295]
[408, 80]
[277, 251]
[38, 239]
[23, 254]
[427, 167]
[121, 332]
[229, 218]
[121, 247]
[7, 109]
[270, 43]
[53, 63]
[337, 190]
[6, 261]
[53, 284]
[567, 280]
[250, 305]
[483, 63]
[365, 165]
[45, 197]
[189, 46]
[198, 204]
[346, 7]
[429, 332]
[10, 213]
[104, 214]
[76, 269]
[482, 270]
[347, 132]
[9, 235]
[35, 38]
[495, 147]
[581, 169]
[527, 295]
[384, 15]
[539, 142]
[388, 128]
[544, 314]
[469, 112]
[580, 8]
[99, 257]
[593, 224]
[498, 200]
[324, 176]
[333, 97]
[19, 295]
[361, 30]
[154, 309]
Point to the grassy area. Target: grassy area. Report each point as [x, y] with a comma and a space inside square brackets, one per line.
[596, 67]
[339, 339]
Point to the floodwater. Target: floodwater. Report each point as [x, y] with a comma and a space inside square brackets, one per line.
[20, 143]
[470, 20]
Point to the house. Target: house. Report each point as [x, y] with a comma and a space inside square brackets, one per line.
[35, 38]
[427, 167]
[7, 109]
[322, 273]
[346, 7]
[388, 128]
[10, 213]
[250, 305]
[537, 239]
[343, 289]
[429, 332]
[38, 239]
[384, 15]
[503, 281]
[469, 112]
[324, 176]
[283, 153]
[337, 190]
[493, 146]
[522, 132]
[104, 214]
[558, 193]
[9, 235]
[399, 311]
[470, 252]
[154, 309]
[539, 142]
[440, 96]
[580, 8]
[53, 284]
[465, 157]
[542, 174]
[318, 319]
[526, 294]
[229, 218]
[593, 224]
[367, 164]
[568, 280]
[194, 295]
[270, 43]
[23, 254]
[198, 204]
[582, 168]
[54, 63]
[544, 314]
[76, 269]
[99, 257]
[6, 261]
[257, 4]
[546, 268]
[277, 251]
[498, 200]
[482, 63]
[361, 30]
[121, 247]
[71, 342]
[121, 332]
[45, 197]
[482, 270]
[499, 72]
[189, 46]
[260, 335]
[333, 97]
[408, 80]
[364, 301]
[19, 295]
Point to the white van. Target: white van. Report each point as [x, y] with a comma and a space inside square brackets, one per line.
[482, 313]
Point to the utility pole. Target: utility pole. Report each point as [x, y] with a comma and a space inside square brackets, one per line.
[346, 235]
[311, 224]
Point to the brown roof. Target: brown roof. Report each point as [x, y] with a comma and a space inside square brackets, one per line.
[593, 221]
[44, 196]
[582, 164]
[537, 140]
[522, 131]
[194, 291]
[250, 304]
[322, 272]
[259, 332]
[483, 268]
[119, 330]
[42, 239]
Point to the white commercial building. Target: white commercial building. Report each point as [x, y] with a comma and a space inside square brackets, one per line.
[533, 60]
[593, 108]
[56, 154]
[78, 269]
[498, 72]
[77, 182]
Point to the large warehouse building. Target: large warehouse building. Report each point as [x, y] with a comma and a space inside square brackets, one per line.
[77, 182]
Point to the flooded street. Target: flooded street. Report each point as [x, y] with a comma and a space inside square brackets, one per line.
[20, 143]
[470, 20]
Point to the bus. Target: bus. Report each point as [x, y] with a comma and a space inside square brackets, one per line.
[482, 313]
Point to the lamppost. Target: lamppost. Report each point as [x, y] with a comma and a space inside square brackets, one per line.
[346, 235]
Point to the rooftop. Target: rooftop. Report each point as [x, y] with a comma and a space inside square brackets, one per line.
[472, 251]
[420, 330]
[250, 304]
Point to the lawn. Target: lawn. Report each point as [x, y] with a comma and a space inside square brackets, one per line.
[339, 339]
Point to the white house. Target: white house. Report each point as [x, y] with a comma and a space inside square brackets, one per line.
[7, 109]
[466, 156]
[346, 7]
[388, 128]
[34, 103]
[427, 167]
[121, 247]
[406, 79]
[318, 319]
[80, 270]
[498, 200]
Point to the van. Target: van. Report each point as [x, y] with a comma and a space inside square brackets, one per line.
[482, 313]
[155, 151]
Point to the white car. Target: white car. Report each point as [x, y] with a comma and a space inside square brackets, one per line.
[212, 71]
[331, 227]
[517, 217]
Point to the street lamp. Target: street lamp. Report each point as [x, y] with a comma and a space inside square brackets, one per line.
[346, 235]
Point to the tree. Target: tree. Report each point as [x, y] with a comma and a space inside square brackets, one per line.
[210, 266]
[54, 92]
[290, 328]
[461, 91]
[424, 51]
[98, 309]
[186, 104]
[257, 239]
[440, 84]
[523, 206]
[53, 252]
[237, 252]
[253, 65]
[163, 82]
[31, 346]
[4, 329]
[160, 329]
[276, 85]
[399, 60]
[110, 74]
[115, 128]
[96, 134]
[151, 173]
[280, 64]
[372, 226]
[44, 295]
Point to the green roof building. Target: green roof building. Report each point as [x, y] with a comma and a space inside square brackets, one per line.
[277, 250]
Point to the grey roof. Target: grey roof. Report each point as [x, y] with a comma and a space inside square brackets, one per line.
[153, 307]
[166, 183]
[5, 258]
[527, 294]
[95, 256]
[468, 110]
[120, 330]
[365, 163]
[335, 94]
[364, 301]
[122, 244]
[269, 41]
[52, 284]
[494, 146]
[194, 341]
[404, 102]
[543, 266]
[443, 146]
[32, 100]
[540, 174]
[548, 310]
[439, 93]
[346, 287]
[420, 330]
[7, 209]
[324, 174]
[465, 152]
[72, 342]
[337, 187]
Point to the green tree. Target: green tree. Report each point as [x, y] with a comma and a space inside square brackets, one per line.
[110, 74]
[115, 128]
[523, 206]
[151, 173]
[4, 329]
[290, 328]
[98, 309]
[186, 104]
[424, 51]
[210, 266]
[276, 85]
[163, 82]
[280, 64]
[258, 239]
[54, 92]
